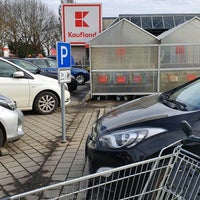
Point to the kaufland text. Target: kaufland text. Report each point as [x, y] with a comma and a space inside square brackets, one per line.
[81, 35]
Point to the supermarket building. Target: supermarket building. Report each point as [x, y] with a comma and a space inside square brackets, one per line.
[140, 54]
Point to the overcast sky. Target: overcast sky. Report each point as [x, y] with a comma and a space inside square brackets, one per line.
[112, 8]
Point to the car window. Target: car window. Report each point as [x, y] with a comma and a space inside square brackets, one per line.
[52, 63]
[26, 65]
[6, 69]
[40, 62]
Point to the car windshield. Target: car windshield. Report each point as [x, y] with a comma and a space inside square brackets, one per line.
[184, 98]
[26, 65]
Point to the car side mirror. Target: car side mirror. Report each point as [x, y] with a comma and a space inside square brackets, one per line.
[18, 74]
[187, 129]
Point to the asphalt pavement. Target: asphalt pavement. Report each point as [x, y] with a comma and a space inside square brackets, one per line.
[41, 157]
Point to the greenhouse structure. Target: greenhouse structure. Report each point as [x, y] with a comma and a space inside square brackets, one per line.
[127, 60]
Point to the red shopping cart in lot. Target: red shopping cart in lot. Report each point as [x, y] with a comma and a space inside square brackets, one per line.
[173, 176]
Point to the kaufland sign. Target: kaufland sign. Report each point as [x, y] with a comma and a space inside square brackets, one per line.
[81, 22]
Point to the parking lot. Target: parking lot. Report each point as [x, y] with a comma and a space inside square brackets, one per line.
[40, 158]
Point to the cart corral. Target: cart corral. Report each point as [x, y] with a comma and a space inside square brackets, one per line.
[127, 60]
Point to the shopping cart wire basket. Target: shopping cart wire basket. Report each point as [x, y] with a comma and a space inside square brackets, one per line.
[174, 176]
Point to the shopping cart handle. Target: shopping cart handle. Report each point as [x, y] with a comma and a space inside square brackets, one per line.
[185, 126]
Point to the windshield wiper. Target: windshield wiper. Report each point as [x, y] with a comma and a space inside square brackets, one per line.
[179, 105]
[172, 103]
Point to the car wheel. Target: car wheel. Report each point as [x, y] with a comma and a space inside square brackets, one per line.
[2, 139]
[45, 103]
[80, 78]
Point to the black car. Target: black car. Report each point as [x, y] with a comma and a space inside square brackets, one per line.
[72, 86]
[139, 129]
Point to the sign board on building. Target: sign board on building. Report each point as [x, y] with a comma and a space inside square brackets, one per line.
[81, 22]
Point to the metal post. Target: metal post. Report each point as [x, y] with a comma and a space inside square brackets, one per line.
[63, 113]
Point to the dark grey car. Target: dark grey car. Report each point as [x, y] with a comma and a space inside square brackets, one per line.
[139, 129]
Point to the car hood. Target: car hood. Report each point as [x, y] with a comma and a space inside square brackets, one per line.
[7, 102]
[137, 111]
[45, 78]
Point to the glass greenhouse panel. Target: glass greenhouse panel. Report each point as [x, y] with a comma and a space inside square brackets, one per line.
[158, 23]
[172, 79]
[124, 82]
[179, 20]
[147, 23]
[180, 56]
[168, 22]
[116, 58]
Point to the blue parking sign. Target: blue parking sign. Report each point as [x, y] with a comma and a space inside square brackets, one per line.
[63, 50]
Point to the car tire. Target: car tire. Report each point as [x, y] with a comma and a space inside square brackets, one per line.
[80, 78]
[2, 139]
[45, 103]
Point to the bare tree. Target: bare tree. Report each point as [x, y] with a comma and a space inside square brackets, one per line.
[31, 22]
[3, 27]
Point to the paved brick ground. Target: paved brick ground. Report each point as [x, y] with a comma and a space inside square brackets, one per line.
[40, 158]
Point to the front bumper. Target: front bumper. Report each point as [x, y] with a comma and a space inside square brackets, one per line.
[100, 159]
[16, 118]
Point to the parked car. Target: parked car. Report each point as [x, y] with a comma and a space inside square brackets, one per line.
[50, 65]
[139, 129]
[72, 86]
[11, 121]
[30, 91]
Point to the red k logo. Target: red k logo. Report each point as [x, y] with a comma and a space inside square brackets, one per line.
[79, 19]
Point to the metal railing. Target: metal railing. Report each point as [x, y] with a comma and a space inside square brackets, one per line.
[173, 176]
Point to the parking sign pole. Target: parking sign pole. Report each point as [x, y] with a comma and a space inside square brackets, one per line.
[63, 53]
[63, 113]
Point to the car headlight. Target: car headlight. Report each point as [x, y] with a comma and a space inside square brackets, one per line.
[128, 138]
[11, 105]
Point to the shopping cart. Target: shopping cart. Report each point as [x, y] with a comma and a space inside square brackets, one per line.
[173, 176]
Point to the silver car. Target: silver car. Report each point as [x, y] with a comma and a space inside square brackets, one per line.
[11, 121]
